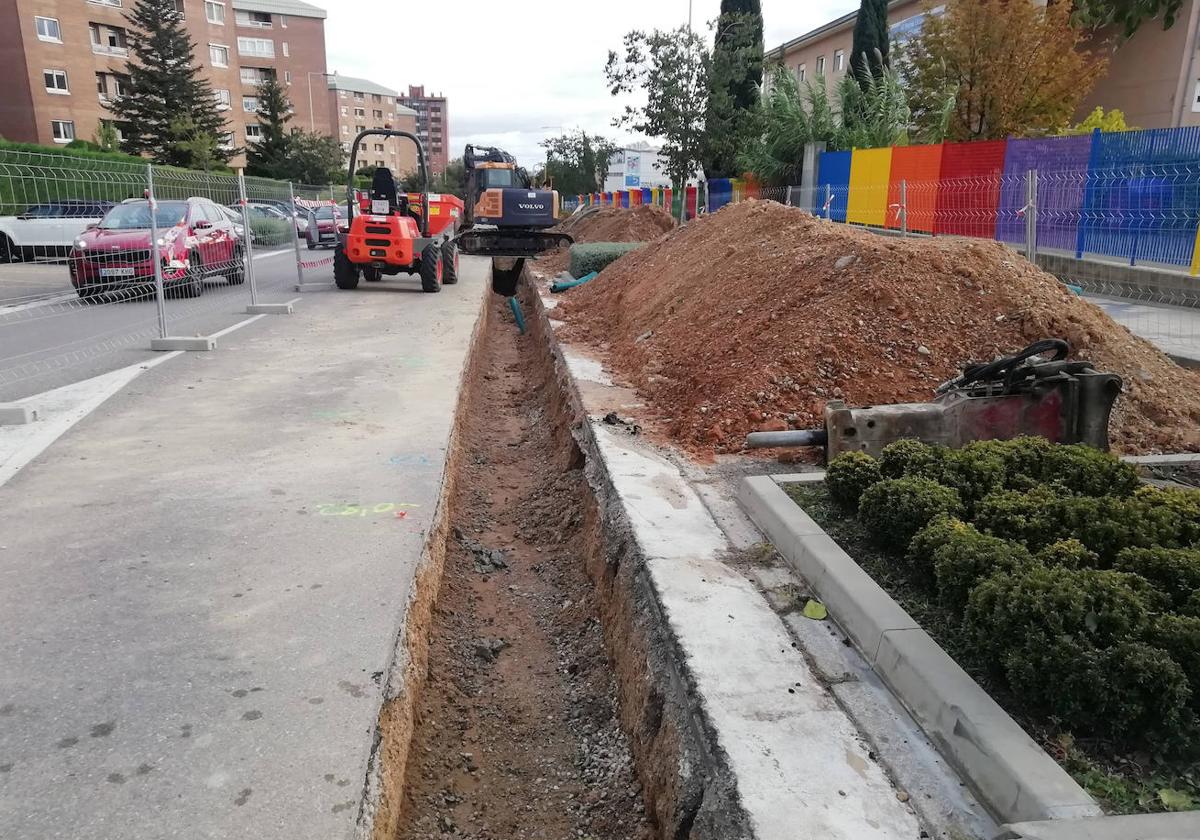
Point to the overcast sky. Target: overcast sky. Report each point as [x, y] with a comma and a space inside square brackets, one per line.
[516, 71]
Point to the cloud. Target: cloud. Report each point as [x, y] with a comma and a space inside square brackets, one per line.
[512, 69]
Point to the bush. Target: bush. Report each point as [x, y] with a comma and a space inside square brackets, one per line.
[1070, 554]
[1029, 517]
[849, 475]
[1185, 504]
[895, 509]
[1024, 460]
[1089, 472]
[1146, 696]
[1097, 607]
[974, 471]
[940, 531]
[271, 231]
[906, 458]
[1175, 572]
[596, 256]
[1179, 635]
[1107, 525]
[970, 557]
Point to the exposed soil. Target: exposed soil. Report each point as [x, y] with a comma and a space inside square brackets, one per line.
[517, 734]
[609, 224]
[757, 315]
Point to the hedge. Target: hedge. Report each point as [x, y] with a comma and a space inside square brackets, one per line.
[1174, 572]
[895, 509]
[849, 475]
[271, 231]
[596, 256]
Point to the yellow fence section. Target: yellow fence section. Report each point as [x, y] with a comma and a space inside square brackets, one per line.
[867, 203]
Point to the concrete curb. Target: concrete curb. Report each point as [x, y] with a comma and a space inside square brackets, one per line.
[313, 287]
[1012, 775]
[1181, 826]
[269, 309]
[200, 343]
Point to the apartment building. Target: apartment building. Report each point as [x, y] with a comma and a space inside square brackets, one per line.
[358, 104]
[1154, 77]
[433, 124]
[66, 59]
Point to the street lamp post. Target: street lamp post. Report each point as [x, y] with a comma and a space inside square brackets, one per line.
[312, 114]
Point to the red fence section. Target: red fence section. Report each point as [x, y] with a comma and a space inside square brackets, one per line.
[969, 194]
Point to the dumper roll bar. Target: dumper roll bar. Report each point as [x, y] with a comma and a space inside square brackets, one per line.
[389, 132]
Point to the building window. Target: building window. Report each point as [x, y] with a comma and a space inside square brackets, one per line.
[839, 61]
[1196, 97]
[345, 111]
[63, 130]
[286, 54]
[287, 76]
[218, 55]
[801, 72]
[108, 39]
[359, 112]
[377, 114]
[56, 81]
[48, 30]
[360, 129]
[260, 47]
[379, 147]
[222, 97]
[250, 104]
[253, 132]
[379, 163]
[116, 3]
[820, 65]
[362, 147]
[345, 129]
[214, 12]
[261, 20]
[283, 21]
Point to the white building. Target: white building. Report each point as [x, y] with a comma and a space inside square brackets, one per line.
[636, 166]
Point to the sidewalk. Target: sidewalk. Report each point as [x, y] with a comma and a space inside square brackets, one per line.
[202, 582]
[1173, 329]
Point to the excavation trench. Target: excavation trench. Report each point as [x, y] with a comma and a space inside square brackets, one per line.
[523, 703]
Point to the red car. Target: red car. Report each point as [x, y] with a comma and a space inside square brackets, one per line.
[196, 240]
[329, 223]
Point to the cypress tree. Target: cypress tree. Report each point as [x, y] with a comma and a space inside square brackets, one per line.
[734, 82]
[168, 110]
[870, 36]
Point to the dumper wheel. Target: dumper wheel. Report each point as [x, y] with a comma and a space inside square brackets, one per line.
[345, 273]
[449, 263]
[431, 268]
[372, 274]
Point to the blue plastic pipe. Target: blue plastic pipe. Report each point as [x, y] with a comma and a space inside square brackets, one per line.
[563, 285]
[517, 314]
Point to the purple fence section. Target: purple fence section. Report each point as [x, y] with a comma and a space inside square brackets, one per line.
[1062, 165]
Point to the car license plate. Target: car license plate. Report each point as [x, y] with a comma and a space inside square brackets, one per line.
[116, 272]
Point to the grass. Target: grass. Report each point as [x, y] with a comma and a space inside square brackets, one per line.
[1122, 782]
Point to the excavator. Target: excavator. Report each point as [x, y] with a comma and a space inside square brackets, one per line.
[505, 218]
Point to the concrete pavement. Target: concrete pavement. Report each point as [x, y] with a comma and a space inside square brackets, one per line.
[1173, 329]
[201, 583]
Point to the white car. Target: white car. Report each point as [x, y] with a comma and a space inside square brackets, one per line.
[49, 230]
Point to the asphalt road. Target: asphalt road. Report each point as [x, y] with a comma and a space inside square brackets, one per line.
[53, 338]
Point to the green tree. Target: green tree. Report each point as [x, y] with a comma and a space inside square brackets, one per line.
[1113, 120]
[577, 162]
[313, 159]
[166, 93]
[1128, 14]
[671, 69]
[870, 40]
[453, 180]
[733, 85]
[267, 156]
[106, 136]
[1016, 69]
[793, 115]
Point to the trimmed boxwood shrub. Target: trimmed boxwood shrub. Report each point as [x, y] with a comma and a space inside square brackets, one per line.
[1097, 607]
[895, 509]
[1029, 517]
[848, 475]
[1070, 553]
[596, 256]
[1024, 460]
[975, 471]
[906, 458]
[1088, 472]
[1179, 635]
[969, 557]
[1175, 572]
[1107, 525]
[1147, 696]
[1183, 503]
[925, 543]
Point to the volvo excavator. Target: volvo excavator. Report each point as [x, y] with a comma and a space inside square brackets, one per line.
[505, 218]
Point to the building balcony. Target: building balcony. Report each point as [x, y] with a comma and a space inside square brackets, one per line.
[105, 49]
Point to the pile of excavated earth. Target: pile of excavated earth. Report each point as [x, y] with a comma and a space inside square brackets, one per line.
[757, 315]
[609, 224]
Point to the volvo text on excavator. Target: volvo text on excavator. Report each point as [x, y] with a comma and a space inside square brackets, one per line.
[505, 217]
